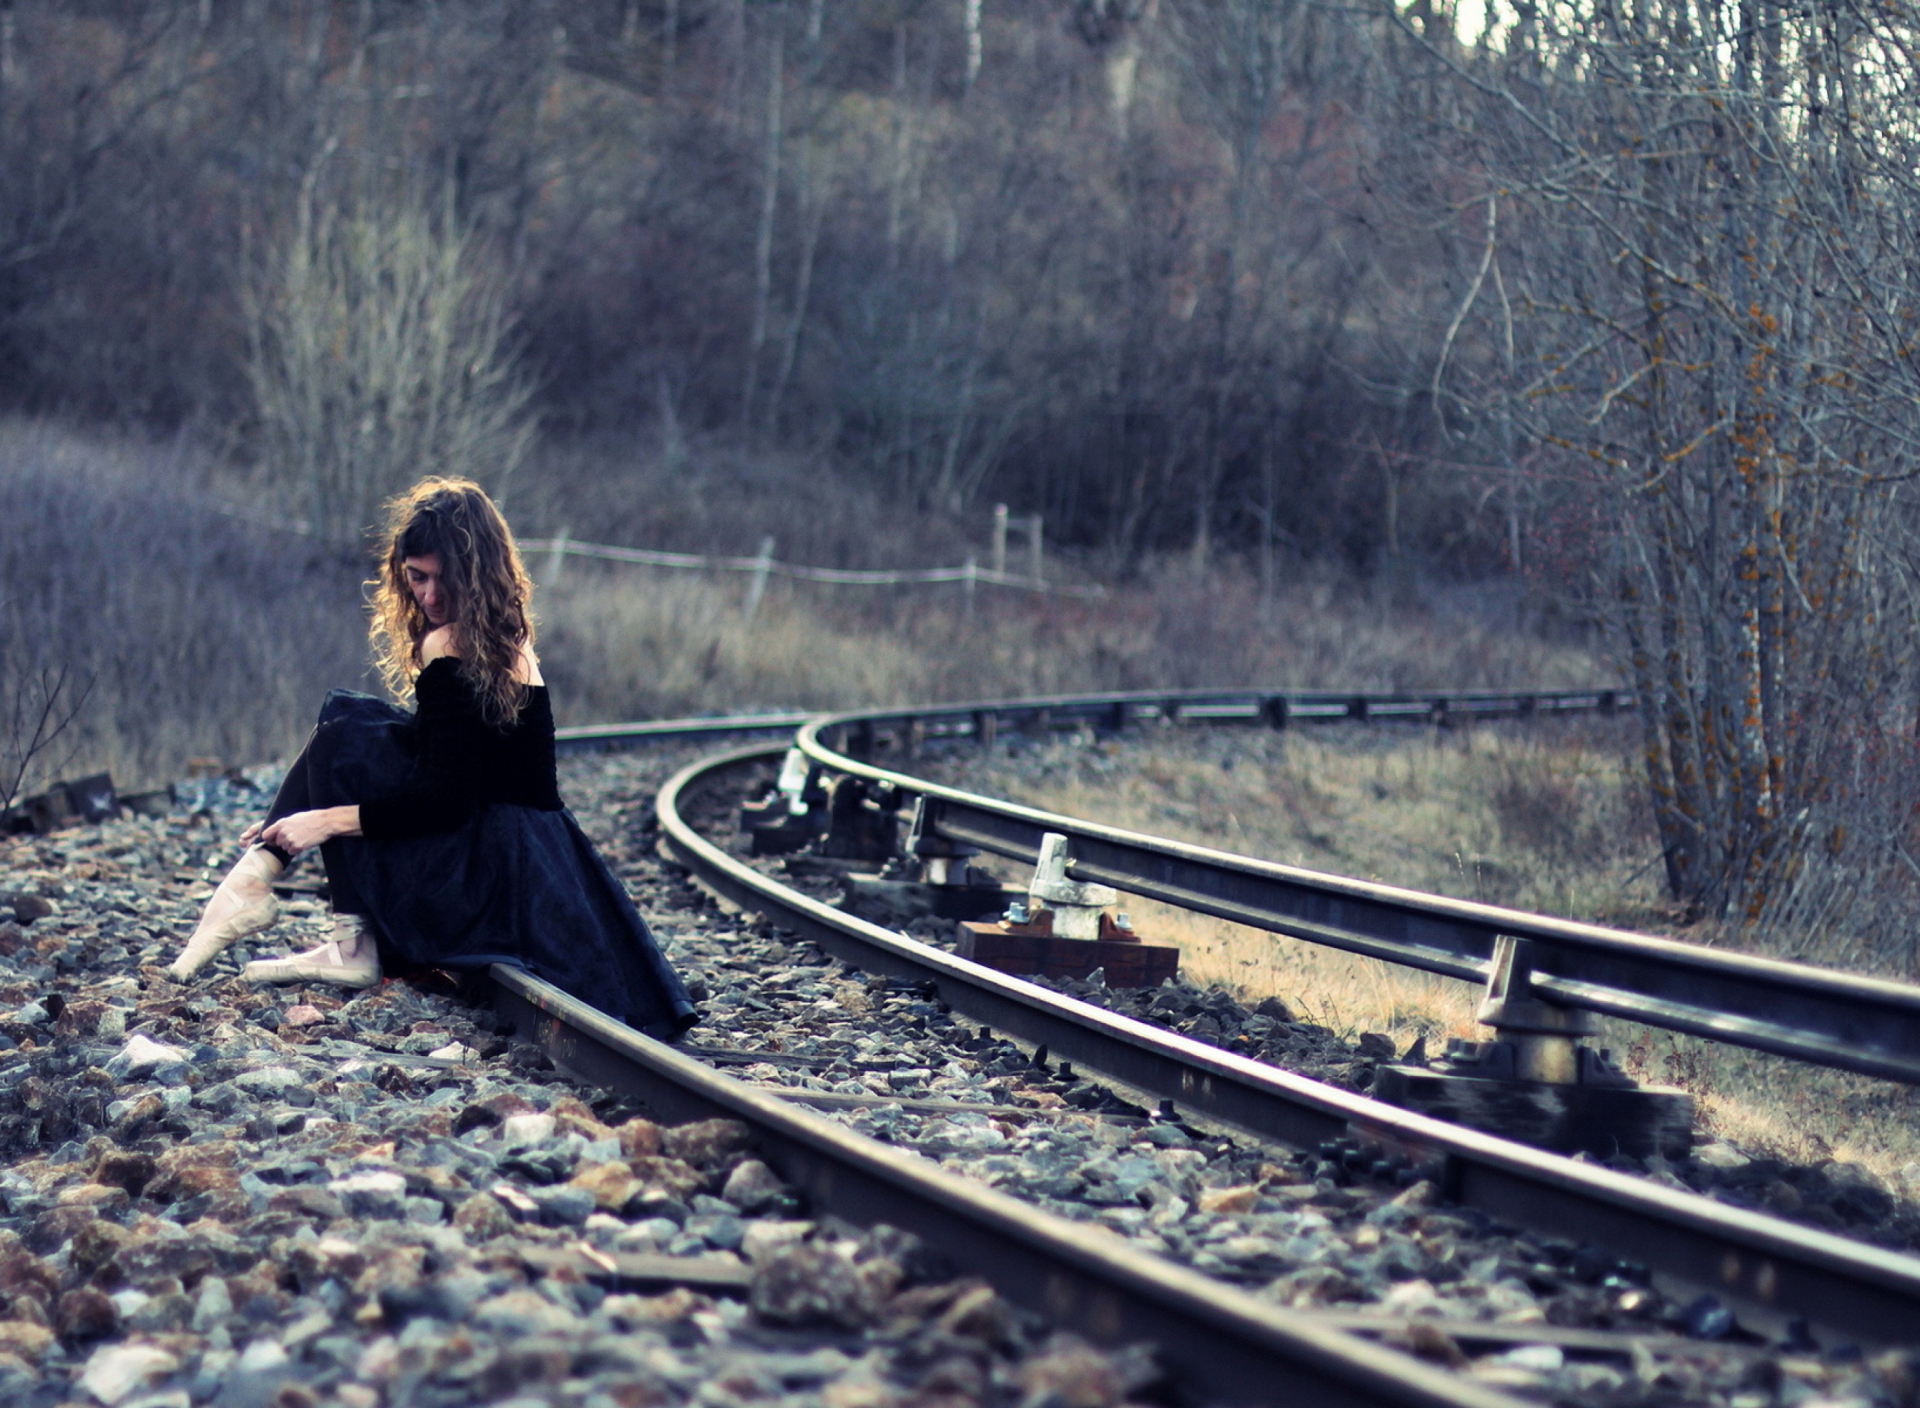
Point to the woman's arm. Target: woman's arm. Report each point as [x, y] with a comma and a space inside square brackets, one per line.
[299, 831]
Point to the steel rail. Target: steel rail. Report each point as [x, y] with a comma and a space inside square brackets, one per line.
[1773, 1270]
[595, 737]
[1222, 1344]
[1868, 1026]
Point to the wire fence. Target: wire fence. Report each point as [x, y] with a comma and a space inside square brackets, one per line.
[763, 567]
[969, 575]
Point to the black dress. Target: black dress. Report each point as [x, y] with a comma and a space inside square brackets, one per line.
[468, 855]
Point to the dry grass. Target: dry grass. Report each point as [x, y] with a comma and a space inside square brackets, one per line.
[209, 635]
[1547, 818]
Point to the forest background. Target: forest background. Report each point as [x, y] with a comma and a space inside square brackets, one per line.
[1341, 345]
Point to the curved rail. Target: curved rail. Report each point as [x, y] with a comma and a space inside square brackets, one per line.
[1224, 1346]
[593, 737]
[1776, 1270]
[1865, 1025]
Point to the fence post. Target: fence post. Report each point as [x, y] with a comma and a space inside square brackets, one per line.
[972, 581]
[1033, 550]
[1000, 537]
[761, 567]
[556, 557]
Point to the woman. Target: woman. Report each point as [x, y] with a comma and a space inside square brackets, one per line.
[445, 840]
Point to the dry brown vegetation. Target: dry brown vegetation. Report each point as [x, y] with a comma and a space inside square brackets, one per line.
[212, 633]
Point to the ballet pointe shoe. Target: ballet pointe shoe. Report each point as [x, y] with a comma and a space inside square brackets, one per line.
[349, 958]
[244, 904]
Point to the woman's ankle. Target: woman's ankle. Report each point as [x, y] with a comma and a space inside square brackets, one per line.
[350, 936]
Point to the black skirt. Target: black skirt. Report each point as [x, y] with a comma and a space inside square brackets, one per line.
[515, 885]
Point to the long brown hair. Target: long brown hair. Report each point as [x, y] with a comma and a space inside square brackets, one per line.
[487, 585]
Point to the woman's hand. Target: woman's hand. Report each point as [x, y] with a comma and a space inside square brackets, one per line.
[251, 836]
[302, 831]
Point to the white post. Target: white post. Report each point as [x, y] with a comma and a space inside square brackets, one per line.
[761, 567]
[1000, 537]
[556, 557]
[972, 581]
[1033, 549]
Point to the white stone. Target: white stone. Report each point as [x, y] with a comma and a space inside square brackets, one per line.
[128, 1301]
[1720, 1156]
[269, 1081]
[763, 1238]
[1543, 1358]
[263, 1356]
[518, 1131]
[214, 1304]
[117, 1370]
[142, 1056]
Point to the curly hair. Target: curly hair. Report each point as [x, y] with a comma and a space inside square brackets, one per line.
[487, 585]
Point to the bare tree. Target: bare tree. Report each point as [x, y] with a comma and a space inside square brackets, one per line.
[1696, 229]
[379, 352]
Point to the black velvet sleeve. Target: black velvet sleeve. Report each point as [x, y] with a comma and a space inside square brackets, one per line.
[445, 789]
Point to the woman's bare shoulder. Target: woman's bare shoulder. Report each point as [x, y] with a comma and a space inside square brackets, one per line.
[527, 668]
[436, 643]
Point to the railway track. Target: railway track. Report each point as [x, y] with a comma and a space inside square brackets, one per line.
[1780, 1278]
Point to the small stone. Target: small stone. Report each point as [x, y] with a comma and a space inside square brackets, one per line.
[1541, 1358]
[1717, 1155]
[1428, 1341]
[29, 908]
[101, 1197]
[115, 1371]
[86, 1314]
[25, 1338]
[978, 1314]
[303, 1015]
[55, 1227]
[80, 1018]
[95, 1244]
[522, 1131]
[379, 1193]
[1229, 1200]
[305, 1200]
[809, 1284]
[639, 1138]
[612, 1185]
[125, 1168]
[708, 1145]
[1071, 1376]
[488, 1113]
[753, 1186]
[1419, 1196]
[1168, 1136]
[563, 1205]
[669, 1309]
[764, 1238]
[524, 1313]
[271, 1082]
[482, 1218]
[669, 1177]
[142, 1058]
[213, 1305]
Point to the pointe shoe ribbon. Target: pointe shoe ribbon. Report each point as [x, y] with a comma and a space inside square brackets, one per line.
[325, 964]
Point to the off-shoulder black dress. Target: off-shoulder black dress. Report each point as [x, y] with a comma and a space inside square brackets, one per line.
[468, 856]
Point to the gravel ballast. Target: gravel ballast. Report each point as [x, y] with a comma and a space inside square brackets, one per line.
[276, 1196]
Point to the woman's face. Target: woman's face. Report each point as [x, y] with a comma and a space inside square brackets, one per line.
[423, 579]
